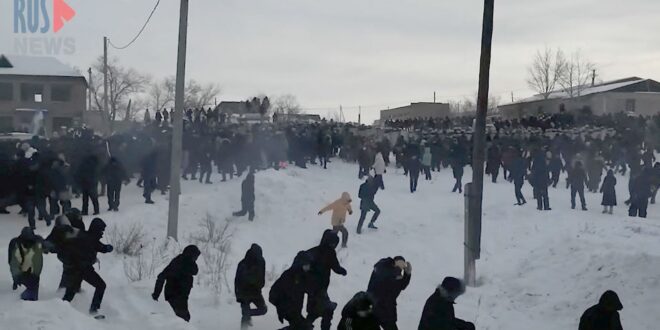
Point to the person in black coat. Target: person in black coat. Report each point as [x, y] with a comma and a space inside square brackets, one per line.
[438, 311]
[177, 278]
[358, 314]
[367, 194]
[604, 315]
[640, 193]
[250, 279]
[494, 161]
[62, 242]
[540, 180]
[324, 260]
[247, 197]
[86, 246]
[517, 174]
[114, 175]
[555, 166]
[578, 180]
[608, 189]
[288, 293]
[414, 167]
[389, 277]
[365, 161]
[87, 178]
[149, 166]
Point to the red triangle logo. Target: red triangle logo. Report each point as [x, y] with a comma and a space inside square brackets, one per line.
[61, 13]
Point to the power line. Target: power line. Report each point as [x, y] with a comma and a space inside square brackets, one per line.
[140, 32]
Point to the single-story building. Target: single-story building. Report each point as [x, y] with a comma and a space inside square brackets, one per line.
[297, 118]
[40, 95]
[416, 111]
[632, 95]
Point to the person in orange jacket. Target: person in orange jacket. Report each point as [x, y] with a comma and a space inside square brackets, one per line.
[339, 209]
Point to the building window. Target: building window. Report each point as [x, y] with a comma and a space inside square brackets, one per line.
[6, 92]
[32, 93]
[630, 105]
[60, 93]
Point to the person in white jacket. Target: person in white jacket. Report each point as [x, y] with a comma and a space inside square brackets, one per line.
[379, 169]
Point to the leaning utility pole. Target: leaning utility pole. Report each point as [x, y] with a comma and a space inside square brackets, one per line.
[105, 80]
[475, 190]
[177, 131]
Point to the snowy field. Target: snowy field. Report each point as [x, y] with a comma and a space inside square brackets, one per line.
[539, 270]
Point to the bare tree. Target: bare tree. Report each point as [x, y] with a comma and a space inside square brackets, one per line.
[546, 71]
[122, 84]
[161, 93]
[196, 95]
[576, 75]
[287, 104]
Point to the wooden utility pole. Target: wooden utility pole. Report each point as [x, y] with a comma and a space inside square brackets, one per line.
[177, 131]
[105, 81]
[475, 191]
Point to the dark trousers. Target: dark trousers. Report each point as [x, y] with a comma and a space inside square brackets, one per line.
[55, 208]
[578, 191]
[296, 322]
[247, 208]
[458, 186]
[205, 170]
[494, 173]
[319, 305]
[149, 187]
[362, 171]
[518, 184]
[90, 276]
[41, 208]
[180, 308]
[344, 234]
[554, 179]
[389, 325]
[379, 181]
[366, 207]
[427, 172]
[114, 192]
[87, 194]
[248, 312]
[638, 206]
[414, 178]
[31, 283]
[542, 200]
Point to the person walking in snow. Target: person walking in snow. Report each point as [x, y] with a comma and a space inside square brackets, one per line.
[324, 260]
[604, 315]
[540, 180]
[517, 173]
[389, 277]
[114, 174]
[494, 161]
[379, 170]
[249, 281]
[367, 194]
[578, 180]
[608, 189]
[247, 197]
[426, 163]
[87, 245]
[149, 166]
[26, 262]
[339, 209]
[358, 314]
[414, 167]
[555, 166]
[87, 178]
[288, 292]
[62, 242]
[640, 193]
[439, 308]
[177, 278]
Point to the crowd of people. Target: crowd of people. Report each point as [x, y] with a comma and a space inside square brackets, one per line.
[44, 177]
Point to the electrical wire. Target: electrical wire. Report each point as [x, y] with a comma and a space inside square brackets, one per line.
[140, 32]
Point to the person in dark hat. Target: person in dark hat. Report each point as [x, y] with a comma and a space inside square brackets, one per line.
[26, 262]
[249, 281]
[604, 315]
[177, 278]
[358, 314]
[438, 311]
[389, 278]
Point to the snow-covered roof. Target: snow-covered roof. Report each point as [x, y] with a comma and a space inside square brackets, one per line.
[35, 66]
[599, 88]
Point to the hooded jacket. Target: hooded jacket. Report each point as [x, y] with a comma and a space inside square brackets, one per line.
[324, 259]
[339, 209]
[358, 314]
[604, 315]
[438, 311]
[288, 293]
[250, 275]
[177, 277]
[88, 244]
[385, 286]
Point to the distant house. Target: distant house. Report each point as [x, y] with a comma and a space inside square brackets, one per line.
[416, 110]
[234, 108]
[632, 95]
[40, 91]
[297, 118]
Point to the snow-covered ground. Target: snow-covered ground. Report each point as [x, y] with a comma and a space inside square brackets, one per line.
[539, 270]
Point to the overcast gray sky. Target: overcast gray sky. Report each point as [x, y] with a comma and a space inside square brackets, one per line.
[374, 53]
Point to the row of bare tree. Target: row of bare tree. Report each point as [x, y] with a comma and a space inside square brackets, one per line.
[130, 92]
[553, 70]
